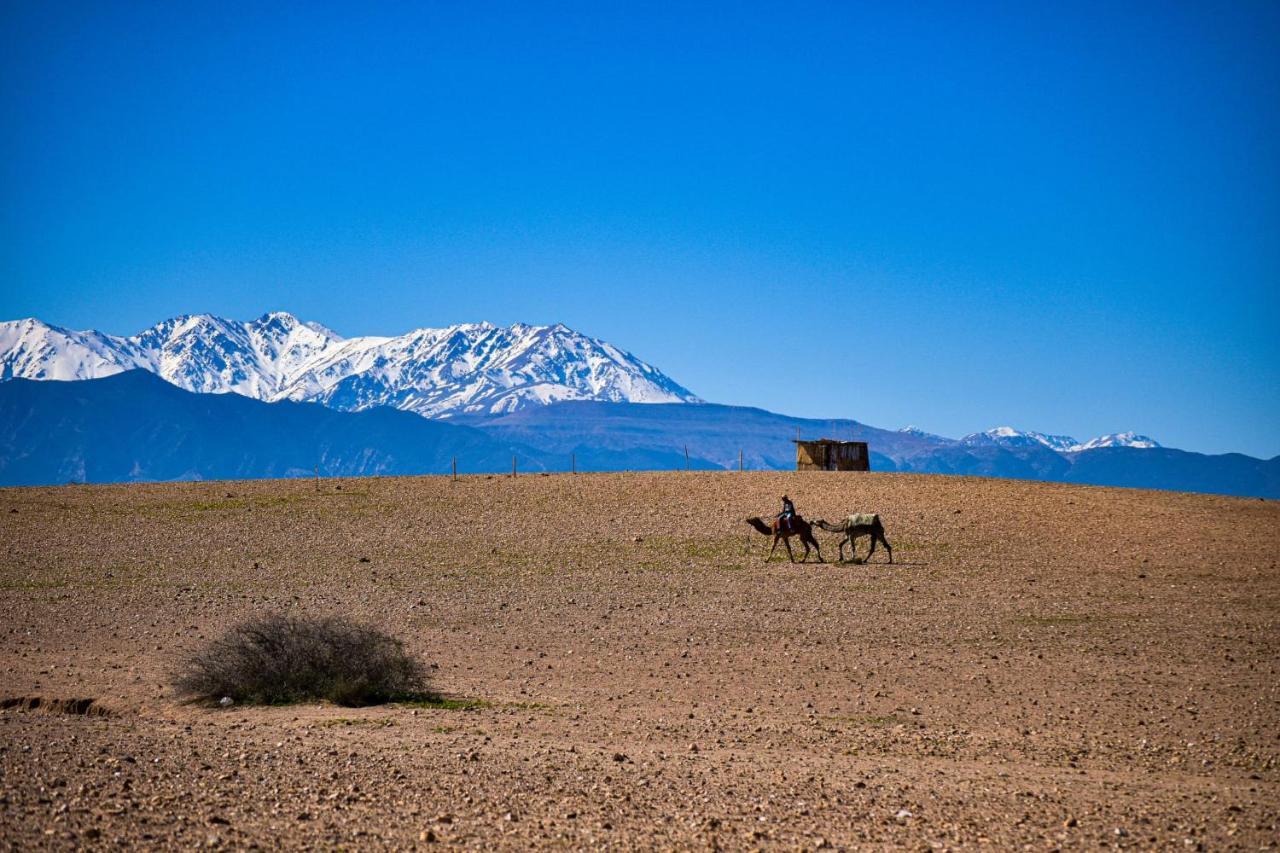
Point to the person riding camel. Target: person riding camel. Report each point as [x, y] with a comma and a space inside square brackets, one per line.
[788, 512]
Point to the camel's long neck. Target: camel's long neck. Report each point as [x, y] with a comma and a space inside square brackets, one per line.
[760, 526]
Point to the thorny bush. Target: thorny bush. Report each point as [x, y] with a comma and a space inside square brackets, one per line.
[279, 659]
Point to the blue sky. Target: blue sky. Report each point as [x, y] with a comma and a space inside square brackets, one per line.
[952, 215]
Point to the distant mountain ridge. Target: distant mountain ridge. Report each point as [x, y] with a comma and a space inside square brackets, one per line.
[546, 393]
[462, 369]
[1006, 436]
[136, 426]
[718, 434]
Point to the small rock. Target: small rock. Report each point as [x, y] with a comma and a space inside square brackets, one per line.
[619, 757]
[427, 835]
[226, 701]
[1070, 822]
[364, 560]
[637, 538]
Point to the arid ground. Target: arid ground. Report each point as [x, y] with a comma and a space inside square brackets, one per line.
[1044, 665]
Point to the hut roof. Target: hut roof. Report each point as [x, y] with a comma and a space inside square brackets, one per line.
[823, 441]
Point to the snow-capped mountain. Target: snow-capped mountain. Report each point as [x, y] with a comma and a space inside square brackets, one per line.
[468, 368]
[1117, 439]
[916, 432]
[1005, 436]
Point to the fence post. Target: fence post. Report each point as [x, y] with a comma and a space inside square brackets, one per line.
[455, 469]
[686, 457]
[739, 459]
[573, 463]
[513, 467]
[317, 478]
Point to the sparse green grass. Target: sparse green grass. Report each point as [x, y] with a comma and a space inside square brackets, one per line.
[229, 503]
[904, 545]
[432, 701]
[381, 723]
[871, 720]
[1057, 619]
[529, 706]
[32, 585]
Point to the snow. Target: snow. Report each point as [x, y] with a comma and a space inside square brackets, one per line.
[470, 367]
[1007, 436]
[1118, 439]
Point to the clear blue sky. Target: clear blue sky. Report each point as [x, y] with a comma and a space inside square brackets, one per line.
[954, 215]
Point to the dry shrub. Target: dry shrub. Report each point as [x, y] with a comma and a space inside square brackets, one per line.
[281, 659]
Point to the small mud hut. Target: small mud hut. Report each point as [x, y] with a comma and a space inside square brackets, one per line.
[827, 454]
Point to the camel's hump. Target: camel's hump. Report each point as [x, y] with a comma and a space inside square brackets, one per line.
[864, 519]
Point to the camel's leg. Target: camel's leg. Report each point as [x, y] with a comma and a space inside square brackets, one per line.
[887, 546]
[774, 548]
[847, 540]
[873, 547]
[817, 547]
[787, 541]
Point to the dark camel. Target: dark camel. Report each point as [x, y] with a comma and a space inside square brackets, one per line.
[854, 527]
[798, 527]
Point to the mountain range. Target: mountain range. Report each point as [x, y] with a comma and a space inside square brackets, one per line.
[1005, 436]
[279, 397]
[462, 369]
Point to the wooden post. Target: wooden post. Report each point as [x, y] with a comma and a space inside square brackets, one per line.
[513, 466]
[455, 469]
[573, 462]
[739, 459]
[317, 478]
[686, 457]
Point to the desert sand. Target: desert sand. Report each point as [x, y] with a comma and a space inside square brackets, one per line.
[1043, 665]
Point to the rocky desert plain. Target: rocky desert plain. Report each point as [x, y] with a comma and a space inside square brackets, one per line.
[1043, 667]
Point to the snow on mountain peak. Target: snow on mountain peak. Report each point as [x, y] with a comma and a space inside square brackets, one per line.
[914, 430]
[438, 372]
[1007, 436]
[1118, 439]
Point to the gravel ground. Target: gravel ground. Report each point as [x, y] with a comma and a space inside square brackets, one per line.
[1044, 665]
